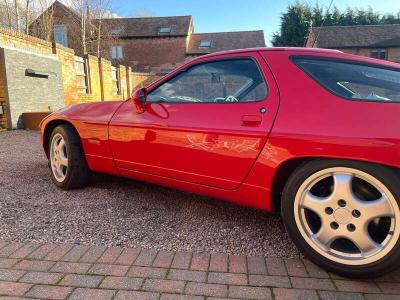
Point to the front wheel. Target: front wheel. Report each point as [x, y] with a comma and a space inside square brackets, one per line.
[67, 159]
[344, 216]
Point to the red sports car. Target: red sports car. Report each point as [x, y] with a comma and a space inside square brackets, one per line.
[311, 133]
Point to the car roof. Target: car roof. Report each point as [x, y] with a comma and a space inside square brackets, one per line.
[312, 51]
[291, 49]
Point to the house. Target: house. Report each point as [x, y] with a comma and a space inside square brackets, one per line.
[377, 41]
[151, 44]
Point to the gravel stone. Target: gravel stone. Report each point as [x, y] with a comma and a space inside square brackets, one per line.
[119, 212]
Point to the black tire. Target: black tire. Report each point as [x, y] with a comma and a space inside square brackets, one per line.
[385, 175]
[77, 174]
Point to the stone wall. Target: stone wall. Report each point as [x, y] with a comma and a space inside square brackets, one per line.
[34, 83]
[20, 93]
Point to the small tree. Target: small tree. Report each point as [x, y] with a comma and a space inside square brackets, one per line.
[92, 13]
[41, 11]
[294, 25]
[19, 14]
[101, 10]
[299, 17]
[391, 18]
[16, 10]
[6, 14]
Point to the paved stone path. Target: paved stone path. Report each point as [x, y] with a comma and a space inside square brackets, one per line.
[49, 271]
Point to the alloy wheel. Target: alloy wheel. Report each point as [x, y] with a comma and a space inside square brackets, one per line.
[59, 157]
[347, 215]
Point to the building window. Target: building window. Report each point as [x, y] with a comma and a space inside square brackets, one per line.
[205, 44]
[116, 82]
[82, 75]
[116, 31]
[116, 52]
[165, 30]
[61, 35]
[379, 53]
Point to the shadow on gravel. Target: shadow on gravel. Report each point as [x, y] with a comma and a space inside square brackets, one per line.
[118, 211]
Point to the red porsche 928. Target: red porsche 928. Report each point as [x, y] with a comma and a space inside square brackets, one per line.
[311, 133]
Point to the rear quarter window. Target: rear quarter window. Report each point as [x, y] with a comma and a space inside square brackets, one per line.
[354, 81]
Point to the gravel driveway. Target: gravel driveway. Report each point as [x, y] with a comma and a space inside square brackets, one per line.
[116, 211]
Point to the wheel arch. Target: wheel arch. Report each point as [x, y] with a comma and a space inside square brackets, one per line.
[49, 129]
[286, 169]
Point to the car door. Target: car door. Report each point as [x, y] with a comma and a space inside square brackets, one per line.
[206, 123]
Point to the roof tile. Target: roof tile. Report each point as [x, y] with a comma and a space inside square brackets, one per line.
[358, 36]
[221, 41]
[149, 27]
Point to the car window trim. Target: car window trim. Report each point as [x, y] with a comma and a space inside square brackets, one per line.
[194, 64]
[347, 61]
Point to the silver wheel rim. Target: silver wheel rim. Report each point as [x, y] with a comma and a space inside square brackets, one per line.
[353, 220]
[59, 157]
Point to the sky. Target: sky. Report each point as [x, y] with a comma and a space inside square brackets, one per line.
[234, 15]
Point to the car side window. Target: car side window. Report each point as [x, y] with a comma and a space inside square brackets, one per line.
[224, 81]
[353, 81]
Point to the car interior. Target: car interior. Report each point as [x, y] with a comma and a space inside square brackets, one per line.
[225, 81]
[354, 81]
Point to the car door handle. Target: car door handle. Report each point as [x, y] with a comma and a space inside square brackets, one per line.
[251, 120]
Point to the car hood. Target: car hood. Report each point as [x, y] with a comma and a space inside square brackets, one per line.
[100, 112]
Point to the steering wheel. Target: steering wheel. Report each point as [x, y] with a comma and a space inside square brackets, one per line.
[231, 99]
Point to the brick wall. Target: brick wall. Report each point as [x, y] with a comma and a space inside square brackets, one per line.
[158, 51]
[4, 117]
[94, 81]
[393, 53]
[123, 83]
[60, 61]
[67, 58]
[105, 67]
[364, 52]
[23, 41]
[349, 50]
[140, 80]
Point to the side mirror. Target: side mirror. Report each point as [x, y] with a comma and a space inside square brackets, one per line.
[139, 98]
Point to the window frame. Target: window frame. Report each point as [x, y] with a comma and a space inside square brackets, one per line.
[207, 41]
[160, 32]
[346, 61]
[64, 33]
[379, 51]
[220, 59]
[116, 52]
[115, 31]
[117, 81]
[86, 74]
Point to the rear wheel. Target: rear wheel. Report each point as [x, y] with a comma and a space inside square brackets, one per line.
[67, 160]
[345, 216]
